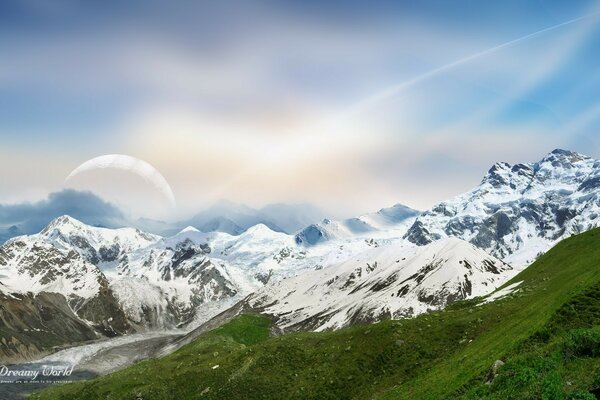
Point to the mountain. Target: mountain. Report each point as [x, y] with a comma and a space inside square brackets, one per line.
[124, 279]
[164, 283]
[224, 216]
[221, 224]
[64, 259]
[292, 217]
[114, 281]
[537, 339]
[234, 218]
[104, 282]
[519, 211]
[388, 220]
[395, 281]
[118, 278]
[389, 216]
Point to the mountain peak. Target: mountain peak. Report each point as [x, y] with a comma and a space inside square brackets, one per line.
[397, 213]
[63, 221]
[564, 156]
[259, 228]
[562, 152]
[498, 175]
[189, 228]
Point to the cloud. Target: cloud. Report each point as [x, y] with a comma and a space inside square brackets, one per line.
[28, 218]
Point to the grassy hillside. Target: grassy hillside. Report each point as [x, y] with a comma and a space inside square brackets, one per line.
[547, 333]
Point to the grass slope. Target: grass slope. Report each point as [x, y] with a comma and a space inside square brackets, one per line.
[547, 332]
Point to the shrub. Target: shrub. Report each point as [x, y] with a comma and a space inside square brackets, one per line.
[581, 395]
[582, 343]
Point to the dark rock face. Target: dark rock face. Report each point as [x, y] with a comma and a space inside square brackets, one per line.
[457, 225]
[420, 235]
[590, 184]
[492, 230]
[495, 175]
[104, 311]
[264, 278]
[110, 253]
[207, 273]
[310, 235]
[86, 248]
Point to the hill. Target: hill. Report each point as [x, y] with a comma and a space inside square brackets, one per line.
[545, 330]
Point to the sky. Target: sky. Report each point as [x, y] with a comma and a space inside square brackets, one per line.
[351, 106]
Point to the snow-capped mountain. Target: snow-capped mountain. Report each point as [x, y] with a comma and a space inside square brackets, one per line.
[234, 219]
[387, 220]
[46, 263]
[118, 278]
[163, 284]
[395, 281]
[100, 246]
[122, 279]
[519, 211]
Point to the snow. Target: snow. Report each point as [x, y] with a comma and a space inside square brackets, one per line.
[64, 227]
[38, 266]
[502, 292]
[80, 354]
[135, 294]
[189, 229]
[387, 281]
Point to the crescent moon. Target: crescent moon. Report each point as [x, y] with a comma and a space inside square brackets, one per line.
[130, 164]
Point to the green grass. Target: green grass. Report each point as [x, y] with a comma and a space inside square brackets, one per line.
[547, 333]
[559, 361]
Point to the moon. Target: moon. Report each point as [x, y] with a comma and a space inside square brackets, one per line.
[129, 164]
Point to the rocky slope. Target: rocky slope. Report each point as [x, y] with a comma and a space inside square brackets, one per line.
[394, 281]
[33, 324]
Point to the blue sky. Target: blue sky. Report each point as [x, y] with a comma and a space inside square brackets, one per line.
[269, 101]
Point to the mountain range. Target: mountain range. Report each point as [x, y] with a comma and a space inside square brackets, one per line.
[396, 262]
[224, 216]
